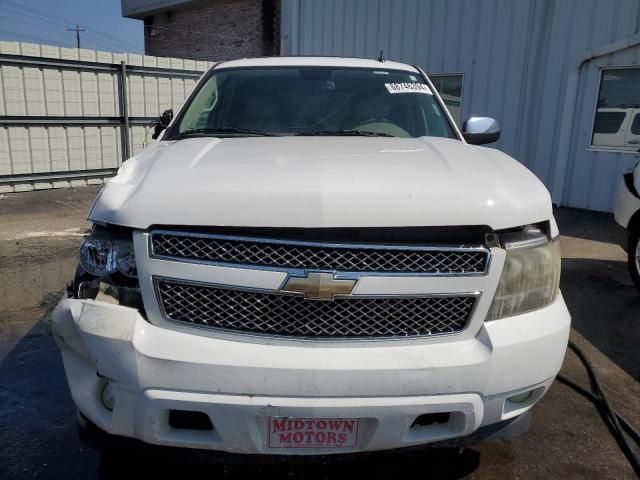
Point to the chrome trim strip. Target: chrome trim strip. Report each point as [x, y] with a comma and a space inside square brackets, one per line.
[156, 279]
[371, 246]
[269, 291]
[300, 272]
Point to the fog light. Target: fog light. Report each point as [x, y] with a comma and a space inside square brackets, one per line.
[108, 398]
[520, 397]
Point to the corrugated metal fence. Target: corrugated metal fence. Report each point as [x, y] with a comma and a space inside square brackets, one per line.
[64, 120]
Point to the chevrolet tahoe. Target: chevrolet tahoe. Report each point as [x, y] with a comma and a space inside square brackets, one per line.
[313, 259]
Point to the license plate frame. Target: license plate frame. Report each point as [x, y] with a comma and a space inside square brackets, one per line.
[305, 432]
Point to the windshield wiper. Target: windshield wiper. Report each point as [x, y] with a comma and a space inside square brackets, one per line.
[225, 131]
[345, 133]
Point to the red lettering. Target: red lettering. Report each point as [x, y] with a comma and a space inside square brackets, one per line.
[309, 436]
[335, 424]
[312, 432]
[279, 425]
[348, 425]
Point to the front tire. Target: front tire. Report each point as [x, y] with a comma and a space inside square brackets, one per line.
[634, 257]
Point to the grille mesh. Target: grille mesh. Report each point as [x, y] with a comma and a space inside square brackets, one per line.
[289, 315]
[291, 255]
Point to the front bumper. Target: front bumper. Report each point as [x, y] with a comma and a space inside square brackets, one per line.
[94, 437]
[240, 384]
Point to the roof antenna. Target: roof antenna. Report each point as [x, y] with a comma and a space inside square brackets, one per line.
[381, 58]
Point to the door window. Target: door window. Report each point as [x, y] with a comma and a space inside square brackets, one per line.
[608, 121]
[635, 125]
[450, 89]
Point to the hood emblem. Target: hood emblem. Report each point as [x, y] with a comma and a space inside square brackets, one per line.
[318, 286]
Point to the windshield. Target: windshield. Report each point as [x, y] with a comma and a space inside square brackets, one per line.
[313, 101]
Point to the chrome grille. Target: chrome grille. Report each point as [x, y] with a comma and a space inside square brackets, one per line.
[319, 256]
[291, 315]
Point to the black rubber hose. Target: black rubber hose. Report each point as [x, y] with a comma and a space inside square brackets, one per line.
[610, 416]
[597, 387]
[631, 431]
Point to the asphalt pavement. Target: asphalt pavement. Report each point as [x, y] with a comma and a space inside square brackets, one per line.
[39, 237]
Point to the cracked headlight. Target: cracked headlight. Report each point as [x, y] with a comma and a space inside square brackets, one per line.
[107, 270]
[530, 278]
[102, 254]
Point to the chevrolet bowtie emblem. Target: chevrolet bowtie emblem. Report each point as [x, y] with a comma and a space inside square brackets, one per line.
[318, 286]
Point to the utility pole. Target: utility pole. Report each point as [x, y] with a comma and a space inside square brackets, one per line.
[77, 30]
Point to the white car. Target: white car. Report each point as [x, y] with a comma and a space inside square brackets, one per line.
[312, 259]
[617, 127]
[627, 216]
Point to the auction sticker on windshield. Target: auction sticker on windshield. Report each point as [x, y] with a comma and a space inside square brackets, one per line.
[287, 432]
[408, 87]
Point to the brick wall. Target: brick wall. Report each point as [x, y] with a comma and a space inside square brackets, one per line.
[215, 30]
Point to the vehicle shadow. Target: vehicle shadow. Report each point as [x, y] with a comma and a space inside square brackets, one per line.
[595, 283]
[605, 308]
[162, 463]
[586, 224]
[38, 435]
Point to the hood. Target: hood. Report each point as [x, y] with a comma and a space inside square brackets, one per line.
[321, 182]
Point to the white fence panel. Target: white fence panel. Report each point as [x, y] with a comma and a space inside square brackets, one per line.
[61, 112]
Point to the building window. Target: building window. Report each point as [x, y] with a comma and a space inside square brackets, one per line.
[617, 119]
[450, 89]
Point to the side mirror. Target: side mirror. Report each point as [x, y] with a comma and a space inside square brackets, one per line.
[480, 130]
[163, 122]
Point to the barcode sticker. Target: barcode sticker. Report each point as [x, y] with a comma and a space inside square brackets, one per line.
[408, 87]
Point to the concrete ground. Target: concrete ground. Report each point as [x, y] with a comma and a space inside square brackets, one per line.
[39, 236]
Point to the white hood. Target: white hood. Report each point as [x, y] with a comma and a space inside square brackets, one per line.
[321, 182]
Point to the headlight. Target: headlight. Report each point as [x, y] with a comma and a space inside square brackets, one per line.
[531, 276]
[102, 254]
[107, 271]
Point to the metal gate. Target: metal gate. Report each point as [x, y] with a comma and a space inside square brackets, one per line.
[73, 121]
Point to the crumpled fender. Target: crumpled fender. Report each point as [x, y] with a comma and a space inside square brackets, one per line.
[82, 326]
[64, 321]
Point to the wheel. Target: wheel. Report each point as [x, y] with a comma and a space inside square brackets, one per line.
[634, 256]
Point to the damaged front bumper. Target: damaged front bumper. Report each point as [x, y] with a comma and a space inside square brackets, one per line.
[239, 385]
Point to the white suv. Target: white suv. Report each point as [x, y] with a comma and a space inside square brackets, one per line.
[313, 259]
[617, 127]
